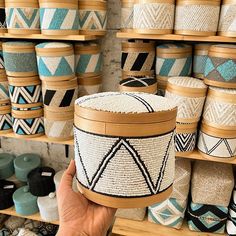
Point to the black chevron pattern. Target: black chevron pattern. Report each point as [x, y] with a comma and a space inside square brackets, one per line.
[185, 142]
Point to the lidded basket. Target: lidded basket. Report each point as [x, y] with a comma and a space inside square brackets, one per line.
[126, 129]
[6, 165]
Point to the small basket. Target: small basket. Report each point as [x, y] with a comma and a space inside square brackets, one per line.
[5, 117]
[89, 86]
[127, 15]
[220, 70]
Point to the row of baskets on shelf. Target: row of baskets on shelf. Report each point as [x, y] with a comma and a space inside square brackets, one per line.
[49, 79]
[192, 17]
[53, 17]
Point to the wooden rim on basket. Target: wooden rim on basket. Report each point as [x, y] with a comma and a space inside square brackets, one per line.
[96, 5]
[217, 126]
[228, 2]
[88, 75]
[87, 49]
[69, 4]
[175, 51]
[222, 52]
[218, 159]
[126, 74]
[29, 135]
[90, 80]
[176, 56]
[24, 81]
[55, 52]
[199, 2]
[3, 30]
[22, 3]
[221, 96]
[56, 85]
[2, 4]
[23, 31]
[7, 131]
[152, 31]
[59, 109]
[186, 92]
[127, 3]
[62, 32]
[56, 78]
[186, 128]
[58, 116]
[219, 84]
[29, 105]
[195, 33]
[152, 89]
[138, 47]
[21, 74]
[27, 114]
[198, 76]
[116, 202]
[18, 48]
[188, 120]
[3, 75]
[154, 1]
[5, 101]
[5, 110]
[227, 33]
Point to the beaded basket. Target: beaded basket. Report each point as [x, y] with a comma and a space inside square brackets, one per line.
[25, 92]
[127, 15]
[3, 22]
[154, 16]
[59, 18]
[212, 183]
[197, 17]
[20, 59]
[89, 86]
[227, 26]
[189, 95]
[200, 59]
[137, 214]
[126, 129]
[231, 222]
[88, 60]
[56, 61]
[220, 70]
[6, 119]
[138, 58]
[22, 17]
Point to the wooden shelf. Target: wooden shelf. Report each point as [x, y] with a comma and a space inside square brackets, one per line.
[45, 37]
[38, 139]
[136, 228]
[11, 211]
[175, 37]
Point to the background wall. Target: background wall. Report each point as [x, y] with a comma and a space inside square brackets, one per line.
[52, 154]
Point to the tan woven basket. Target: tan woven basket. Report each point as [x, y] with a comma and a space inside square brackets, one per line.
[88, 86]
[127, 15]
[3, 29]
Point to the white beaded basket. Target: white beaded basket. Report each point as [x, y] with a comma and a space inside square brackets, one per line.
[117, 136]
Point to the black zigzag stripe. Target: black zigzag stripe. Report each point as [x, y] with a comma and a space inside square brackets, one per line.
[2, 16]
[139, 62]
[48, 97]
[66, 101]
[123, 59]
[184, 142]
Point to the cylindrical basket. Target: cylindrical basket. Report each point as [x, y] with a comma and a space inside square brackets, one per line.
[93, 17]
[197, 17]
[59, 125]
[3, 22]
[89, 86]
[227, 25]
[144, 85]
[4, 93]
[200, 59]
[28, 122]
[126, 129]
[220, 70]
[20, 59]
[60, 96]
[189, 95]
[59, 17]
[56, 61]
[88, 60]
[154, 16]
[6, 119]
[138, 58]
[127, 15]
[22, 16]
[25, 92]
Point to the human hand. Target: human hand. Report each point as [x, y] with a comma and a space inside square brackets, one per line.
[79, 216]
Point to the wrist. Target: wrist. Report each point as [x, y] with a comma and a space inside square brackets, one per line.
[68, 231]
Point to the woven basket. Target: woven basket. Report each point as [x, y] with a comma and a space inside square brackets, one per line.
[93, 17]
[220, 68]
[212, 183]
[22, 17]
[227, 26]
[5, 117]
[127, 15]
[197, 17]
[58, 125]
[189, 95]
[145, 85]
[56, 61]
[3, 22]
[200, 59]
[89, 86]
[4, 93]
[138, 58]
[20, 59]
[59, 18]
[154, 16]
[217, 144]
[60, 96]
[137, 214]
[88, 60]
[230, 226]
[25, 92]
[112, 121]
[28, 122]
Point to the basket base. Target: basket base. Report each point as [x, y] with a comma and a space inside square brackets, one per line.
[60, 32]
[59, 139]
[115, 202]
[93, 32]
[219, 84]
[194, 33]
[211, 158]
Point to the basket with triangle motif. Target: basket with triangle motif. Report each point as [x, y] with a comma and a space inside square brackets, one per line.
[3, 23]
[4, 93]
[127, 15]
[122, 168]
[5, 119]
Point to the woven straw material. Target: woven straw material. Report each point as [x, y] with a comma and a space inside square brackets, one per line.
[127, 17]
[212, 183]
[132, 214]
[182, 179]
[89, 89]
[197, 18]
[154, 16]
[4, 94]
[169, 213]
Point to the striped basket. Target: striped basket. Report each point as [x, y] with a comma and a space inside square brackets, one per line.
[200, 59]
[231, 222]
[3, 22]
[25, 92]
[127, 15]
[89, 86]
[4, 93]
[28, 122]
[22, 17]
[189, 95]
[154, 16]
[88, 60]
[56, 61]
[138, 58]
[111, 121]
[227, 26]
[197, 17]
[59, 18]
[5, 119]
[220, 70]
[93, 17]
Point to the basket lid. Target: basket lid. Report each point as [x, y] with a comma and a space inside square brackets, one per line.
[223, 50]
[6, 159]
[23, 196]
[26, 162]
[48, 202]
[18, 46]
[87, 47]
[54, 49]
[202, 46]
